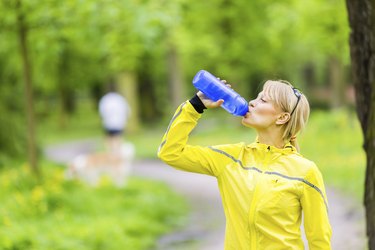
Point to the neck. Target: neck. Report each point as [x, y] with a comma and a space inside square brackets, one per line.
[272, 138]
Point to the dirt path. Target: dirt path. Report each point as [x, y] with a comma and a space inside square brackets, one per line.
[205, 230]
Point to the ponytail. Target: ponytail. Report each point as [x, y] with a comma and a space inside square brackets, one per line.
[293, 141]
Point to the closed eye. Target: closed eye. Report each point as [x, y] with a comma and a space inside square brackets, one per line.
[261, 97]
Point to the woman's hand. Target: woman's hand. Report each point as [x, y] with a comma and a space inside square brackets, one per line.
[208, 103]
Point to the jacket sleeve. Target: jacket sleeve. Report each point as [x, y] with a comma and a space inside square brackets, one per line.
[315, 208]
[174, 150]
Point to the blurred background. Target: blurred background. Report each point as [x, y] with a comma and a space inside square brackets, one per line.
[58, 57]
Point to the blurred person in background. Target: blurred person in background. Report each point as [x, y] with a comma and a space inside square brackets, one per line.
[266, 185]
[114, 111]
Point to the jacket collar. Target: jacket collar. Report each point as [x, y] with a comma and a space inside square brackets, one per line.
[288, 148]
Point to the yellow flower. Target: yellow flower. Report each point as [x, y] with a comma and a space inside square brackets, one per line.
[37, 194]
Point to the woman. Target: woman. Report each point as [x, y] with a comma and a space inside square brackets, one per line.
[265, 186]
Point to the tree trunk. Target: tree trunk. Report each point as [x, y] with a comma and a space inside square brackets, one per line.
[336, 81]
[29, 103]
[309, 75]
[176, 84]
[128, 85]
[65, 91]
[362, 48]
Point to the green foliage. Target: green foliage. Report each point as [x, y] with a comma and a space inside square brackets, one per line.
[84, 123]
[239, 39]
[76, 46]
[59, 214]
[334, 142]
[13, 141]
[12, 138]
[251, 41]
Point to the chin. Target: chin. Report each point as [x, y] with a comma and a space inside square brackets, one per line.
[246, 123]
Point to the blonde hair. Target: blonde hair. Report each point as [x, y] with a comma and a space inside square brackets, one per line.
[282, 93]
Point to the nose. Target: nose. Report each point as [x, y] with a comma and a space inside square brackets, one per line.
[252, 103]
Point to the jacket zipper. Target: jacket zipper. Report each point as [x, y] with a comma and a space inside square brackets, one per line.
[252, 228]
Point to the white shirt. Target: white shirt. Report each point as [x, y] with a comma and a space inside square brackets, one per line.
[114, 111]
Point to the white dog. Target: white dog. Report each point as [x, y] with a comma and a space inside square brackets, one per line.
[91, 167]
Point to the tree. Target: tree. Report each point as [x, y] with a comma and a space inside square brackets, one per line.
[29, 104]
[362, 50]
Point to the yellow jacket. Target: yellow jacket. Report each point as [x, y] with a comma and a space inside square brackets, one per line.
[264, 189]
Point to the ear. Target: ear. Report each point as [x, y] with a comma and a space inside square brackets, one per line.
[283, 118]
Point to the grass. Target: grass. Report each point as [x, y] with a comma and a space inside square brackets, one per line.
[58, 214]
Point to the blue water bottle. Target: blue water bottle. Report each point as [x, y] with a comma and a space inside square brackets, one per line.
[214, 89]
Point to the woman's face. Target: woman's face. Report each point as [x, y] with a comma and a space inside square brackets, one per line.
[262, 114]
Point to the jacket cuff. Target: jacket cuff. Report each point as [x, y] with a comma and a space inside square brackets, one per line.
[197, 104]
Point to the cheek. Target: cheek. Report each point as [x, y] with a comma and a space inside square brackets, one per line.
[266, 111]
